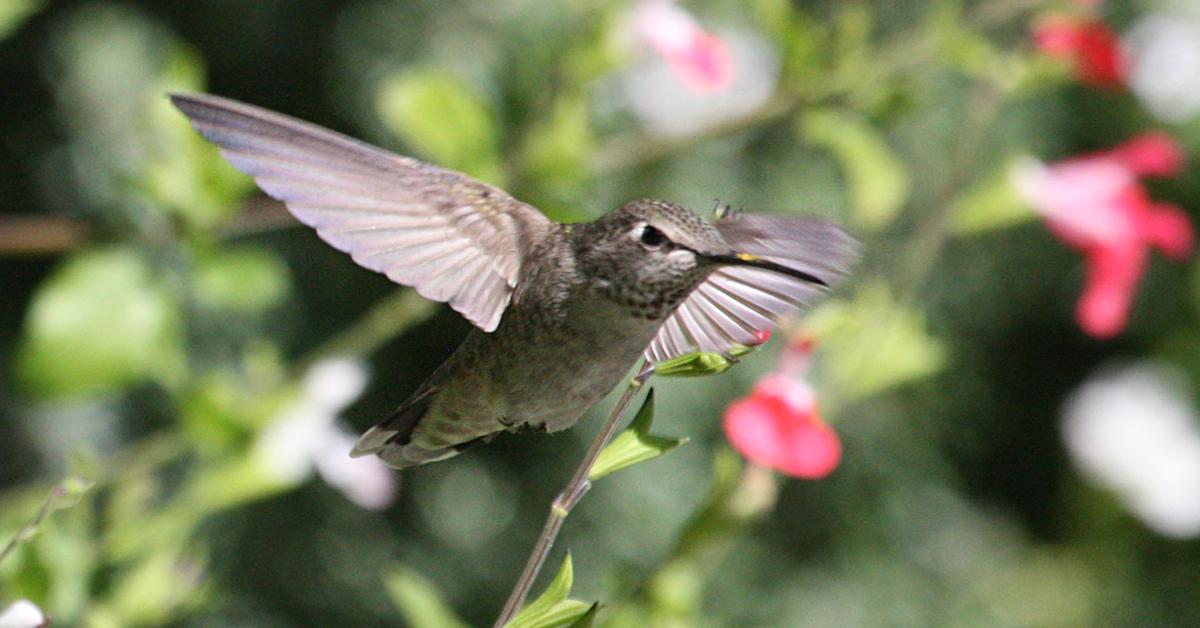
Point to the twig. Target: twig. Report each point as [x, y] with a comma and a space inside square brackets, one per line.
[896, 55]
[34, 235]
[388, 318]
[566, 500]
[59, 491]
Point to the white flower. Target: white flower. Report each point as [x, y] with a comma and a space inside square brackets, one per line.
[308, 436]
[1134, 431]
[1164, 50]
[22, 614]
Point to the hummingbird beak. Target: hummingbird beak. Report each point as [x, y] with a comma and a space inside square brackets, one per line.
[754, 261]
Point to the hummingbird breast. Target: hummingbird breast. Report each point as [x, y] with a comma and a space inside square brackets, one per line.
[561, 346]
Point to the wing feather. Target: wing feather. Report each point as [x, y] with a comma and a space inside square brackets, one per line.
[451, 237]
[736, 302]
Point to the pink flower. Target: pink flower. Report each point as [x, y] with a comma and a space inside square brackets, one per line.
[701, 60]
[1096, 204]
[778, 425]
[1089, 44]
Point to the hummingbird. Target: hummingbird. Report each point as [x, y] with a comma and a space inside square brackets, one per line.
[560, 311]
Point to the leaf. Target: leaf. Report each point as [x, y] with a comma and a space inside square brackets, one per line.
[588, 619]
[64, 495]
[418, 600]
[992, 204]
[712, 519]
[559, 146]
[878, 181]
[555, 156]
[634, 445]
[444, 121]
[695, 364]
[874, 343]
[564, 613]
[243, 279]
[155, 588]
[184, 173]
[552, 608]
[13, 14]
[102, 321]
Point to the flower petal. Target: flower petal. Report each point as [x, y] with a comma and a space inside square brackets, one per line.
[705, 65]
[1094, 49]
[1169, 229]
[777, 426]
[813, 452]
[1113, 274]
[701, 60]
[367, 481]
[1150, 154]
[22, 614]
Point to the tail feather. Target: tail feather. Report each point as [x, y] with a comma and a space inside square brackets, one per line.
[391, 438]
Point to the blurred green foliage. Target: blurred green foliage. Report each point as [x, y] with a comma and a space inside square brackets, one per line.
[151, 359]
[102, 322]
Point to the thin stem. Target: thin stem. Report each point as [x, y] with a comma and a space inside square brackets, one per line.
[894, 56]
[566, 500]
[388, 318]
[935, 230]
[26, 530]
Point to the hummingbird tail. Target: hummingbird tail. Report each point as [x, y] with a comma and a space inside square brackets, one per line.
[391, 439]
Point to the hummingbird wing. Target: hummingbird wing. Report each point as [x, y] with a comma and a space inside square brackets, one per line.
[735, 303]
[452, 238]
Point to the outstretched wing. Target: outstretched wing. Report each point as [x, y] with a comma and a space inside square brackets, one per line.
[453, 238]
[737, 302]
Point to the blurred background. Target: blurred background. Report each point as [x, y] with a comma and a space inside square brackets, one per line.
[184, 367]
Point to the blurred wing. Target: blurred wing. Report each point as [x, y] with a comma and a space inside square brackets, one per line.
[453, 238]
[735, 302]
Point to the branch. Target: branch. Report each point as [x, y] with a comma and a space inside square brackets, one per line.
[566, 500]
[388, 318]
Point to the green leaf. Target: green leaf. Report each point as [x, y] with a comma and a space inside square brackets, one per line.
[166, 580]
[804, 43]
[419, 600]
[102, 321]
[634, 445]
[696, 364]
[64, 495]
[874, 343]
[13, 14]
[712, 520]
[556, 153]
[185, 174]
[588, 619]
[244, 279]
[992, 204]
[878, 180]
[552, 608]
[444, 121]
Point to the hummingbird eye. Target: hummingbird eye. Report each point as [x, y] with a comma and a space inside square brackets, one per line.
[651, 237]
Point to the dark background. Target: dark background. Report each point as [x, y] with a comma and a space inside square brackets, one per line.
[956, 502]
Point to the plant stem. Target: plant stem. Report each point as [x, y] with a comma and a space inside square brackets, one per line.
[566, 500]
[898, 54]
[26, 531]
[388, 318]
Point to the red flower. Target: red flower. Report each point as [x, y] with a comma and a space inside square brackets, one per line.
[701, 60]
[1095, 204]
[778, 425]
[1088, 43]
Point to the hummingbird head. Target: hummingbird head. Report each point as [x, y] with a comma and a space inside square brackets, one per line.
[648, 255]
